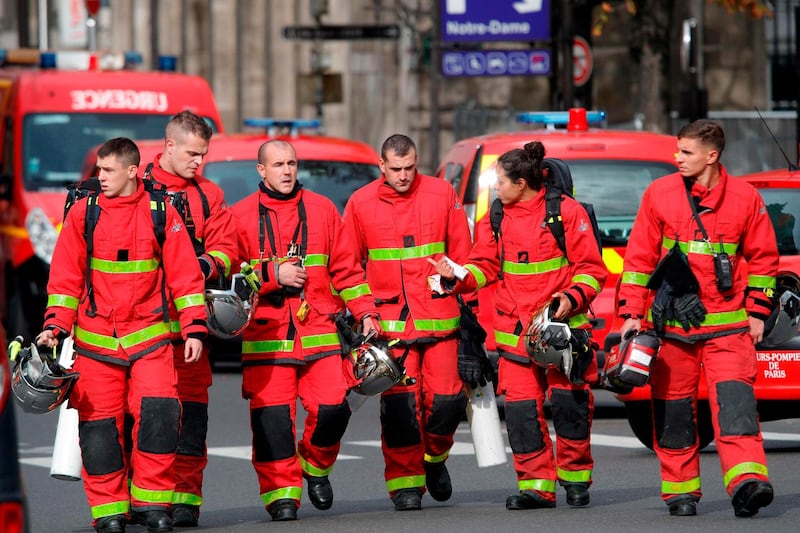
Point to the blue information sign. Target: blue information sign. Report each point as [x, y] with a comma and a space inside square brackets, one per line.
[497, 20]
[496, 63]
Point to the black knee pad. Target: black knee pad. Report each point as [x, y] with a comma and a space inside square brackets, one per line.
[446, 413]
[273, 436]
[100, 449]
[737, 409]
[570, 413]
[127, 428]
[399, 420]
[194, 428]
[679, 417]
[331, 423]
[158, 425]
[522, 422]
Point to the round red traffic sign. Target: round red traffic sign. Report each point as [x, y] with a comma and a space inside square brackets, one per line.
[582, 62]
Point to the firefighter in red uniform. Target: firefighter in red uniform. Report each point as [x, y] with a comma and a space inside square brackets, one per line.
[115, 297]
[213, 233]
[532, 272]
[291, 347]
[396, 223]
[711, 314]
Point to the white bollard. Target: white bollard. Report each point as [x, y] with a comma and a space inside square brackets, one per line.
[66, 463]
[484, 424]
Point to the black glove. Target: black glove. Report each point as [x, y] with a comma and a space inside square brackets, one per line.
[661, 309]
[205, 266]
[689, 310]
[583, 350]
[472, 369]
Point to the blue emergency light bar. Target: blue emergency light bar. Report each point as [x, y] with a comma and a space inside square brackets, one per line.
[558, 118]
[272, 125]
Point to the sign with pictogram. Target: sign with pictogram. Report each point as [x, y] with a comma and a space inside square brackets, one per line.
[582, 62]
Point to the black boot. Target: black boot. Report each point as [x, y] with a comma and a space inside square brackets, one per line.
[437, 479]
[184, 515]
[110, 524]
[683, 506]
[320, 492]
[283, 510]
[751, 497]
[527, 499]
[577, 494]
[407, 500]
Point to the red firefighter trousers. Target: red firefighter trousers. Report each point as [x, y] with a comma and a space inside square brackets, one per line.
[730, 369]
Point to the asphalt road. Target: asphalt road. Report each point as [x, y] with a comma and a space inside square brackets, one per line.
[625, 494]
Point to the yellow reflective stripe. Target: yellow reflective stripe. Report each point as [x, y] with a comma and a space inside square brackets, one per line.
[479, 277]
[174, 326]
[14, 231]
[413, 252]
[182, 302]
[431, 324]
[745, 468]
[109, 509]
[578, 476]
[436, 458]
[151, 496]
[291, 493]
[587, 280]
[539, 267]
[325, 339]
[508, 339]
[713, 319]
[267, 346]
[226, 261]
[701, 247]
[124, 267]
[405, 482]
[186, 498]
[761, 282]
[312, 470]
[316, 260]
[543, 485]
[128, 341]
[578, 320]
[613, 260]
[680, 487]
[63, 300]
[635, 278]
[352, 293]
[395, 326]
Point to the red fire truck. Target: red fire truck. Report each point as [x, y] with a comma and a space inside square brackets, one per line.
[54, 106]
[610, 169]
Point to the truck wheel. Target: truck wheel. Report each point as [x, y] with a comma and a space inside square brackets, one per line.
[641, 422]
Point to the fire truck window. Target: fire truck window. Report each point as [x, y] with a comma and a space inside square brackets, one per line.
[783, 205]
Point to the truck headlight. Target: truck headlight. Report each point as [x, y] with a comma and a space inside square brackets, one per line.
[42, 234]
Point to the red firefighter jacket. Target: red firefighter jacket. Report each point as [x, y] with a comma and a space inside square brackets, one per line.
[736, 221]
[330, 263]
[396, 234]
[217, 233]
[534, 267]
[128, 272]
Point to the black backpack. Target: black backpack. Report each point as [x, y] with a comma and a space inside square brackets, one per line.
[90, 189]
[558, 181]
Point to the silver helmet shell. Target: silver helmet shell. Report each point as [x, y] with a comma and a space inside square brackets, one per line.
[375, 369]
[227, 314]
[547, 342]
[40, 385]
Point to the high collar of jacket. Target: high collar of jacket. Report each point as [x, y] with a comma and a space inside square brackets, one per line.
[168, 179]
[527, 206]
[270, 196]
[709, 199]
[124, 201]
[387, 192]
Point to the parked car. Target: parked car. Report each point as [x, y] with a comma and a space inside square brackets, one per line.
[610, 169]
[13, 518]
[777, 386]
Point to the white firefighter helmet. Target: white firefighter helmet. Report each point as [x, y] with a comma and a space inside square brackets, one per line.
[375, 368]
[784, 322]
[548, 343]
[40, 385]
[227, 313]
